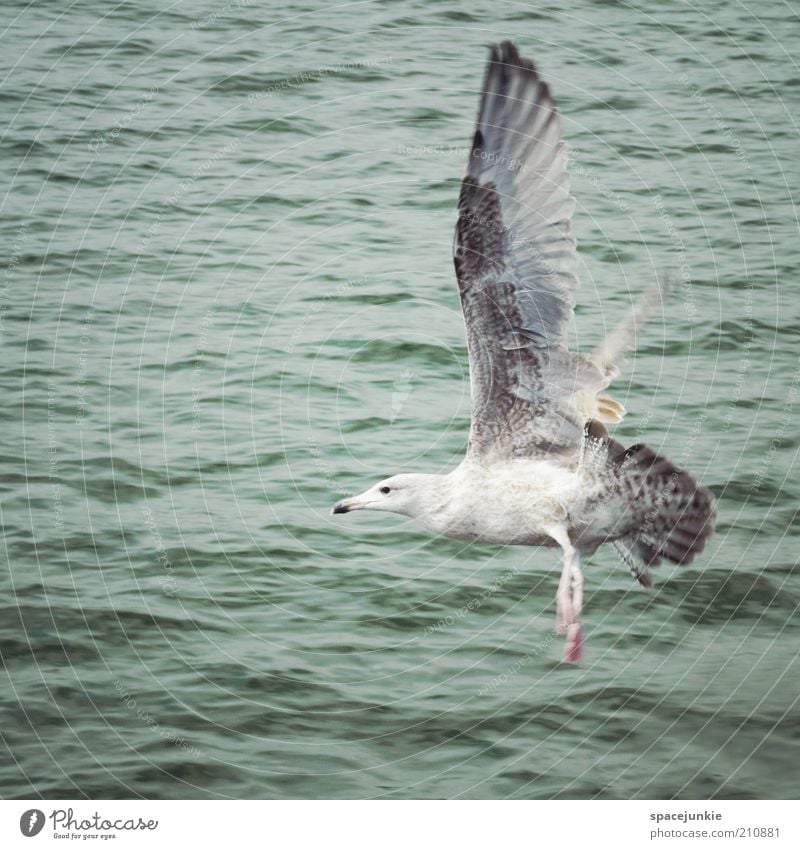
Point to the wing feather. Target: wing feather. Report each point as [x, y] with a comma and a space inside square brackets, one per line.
[516, 264]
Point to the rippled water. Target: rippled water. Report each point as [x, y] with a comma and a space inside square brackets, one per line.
[228, 300]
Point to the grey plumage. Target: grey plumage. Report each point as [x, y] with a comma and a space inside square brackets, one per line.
[659, 511]
[515, 259]
[540, 468]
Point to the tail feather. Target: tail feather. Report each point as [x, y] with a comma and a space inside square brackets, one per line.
[671, 517]
[631, 558]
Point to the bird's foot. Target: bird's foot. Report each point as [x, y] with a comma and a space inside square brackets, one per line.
[573, 650]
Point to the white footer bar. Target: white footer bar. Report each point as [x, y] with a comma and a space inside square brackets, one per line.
[401, 824]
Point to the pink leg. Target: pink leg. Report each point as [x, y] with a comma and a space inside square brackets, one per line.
[573, 651]
[569, 599]
[564, 599]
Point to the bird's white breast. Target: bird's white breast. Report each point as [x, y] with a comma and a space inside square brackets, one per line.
[509, 503]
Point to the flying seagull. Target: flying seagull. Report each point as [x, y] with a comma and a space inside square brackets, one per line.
[540, 467]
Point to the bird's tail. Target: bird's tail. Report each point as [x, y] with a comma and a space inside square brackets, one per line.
[671, 517]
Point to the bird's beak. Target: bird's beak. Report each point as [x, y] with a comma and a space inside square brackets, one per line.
[347, 505]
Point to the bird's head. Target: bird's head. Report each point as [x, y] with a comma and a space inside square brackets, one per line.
[409, 495]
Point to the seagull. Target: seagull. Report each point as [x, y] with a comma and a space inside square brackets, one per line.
[540, 467]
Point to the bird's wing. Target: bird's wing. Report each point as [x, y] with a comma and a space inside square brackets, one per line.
[515, 261]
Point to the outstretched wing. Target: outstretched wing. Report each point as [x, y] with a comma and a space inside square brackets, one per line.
[515, 260]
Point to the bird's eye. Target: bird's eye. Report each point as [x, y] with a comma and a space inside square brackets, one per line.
[385, 490]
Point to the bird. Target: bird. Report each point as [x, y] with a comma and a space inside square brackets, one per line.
[540, 467]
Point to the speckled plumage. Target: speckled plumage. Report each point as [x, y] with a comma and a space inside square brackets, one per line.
[515, 260]
[540, 468]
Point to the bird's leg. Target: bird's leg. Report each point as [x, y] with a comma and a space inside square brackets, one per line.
[569, 598]
[564, 598]
[573, 651]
